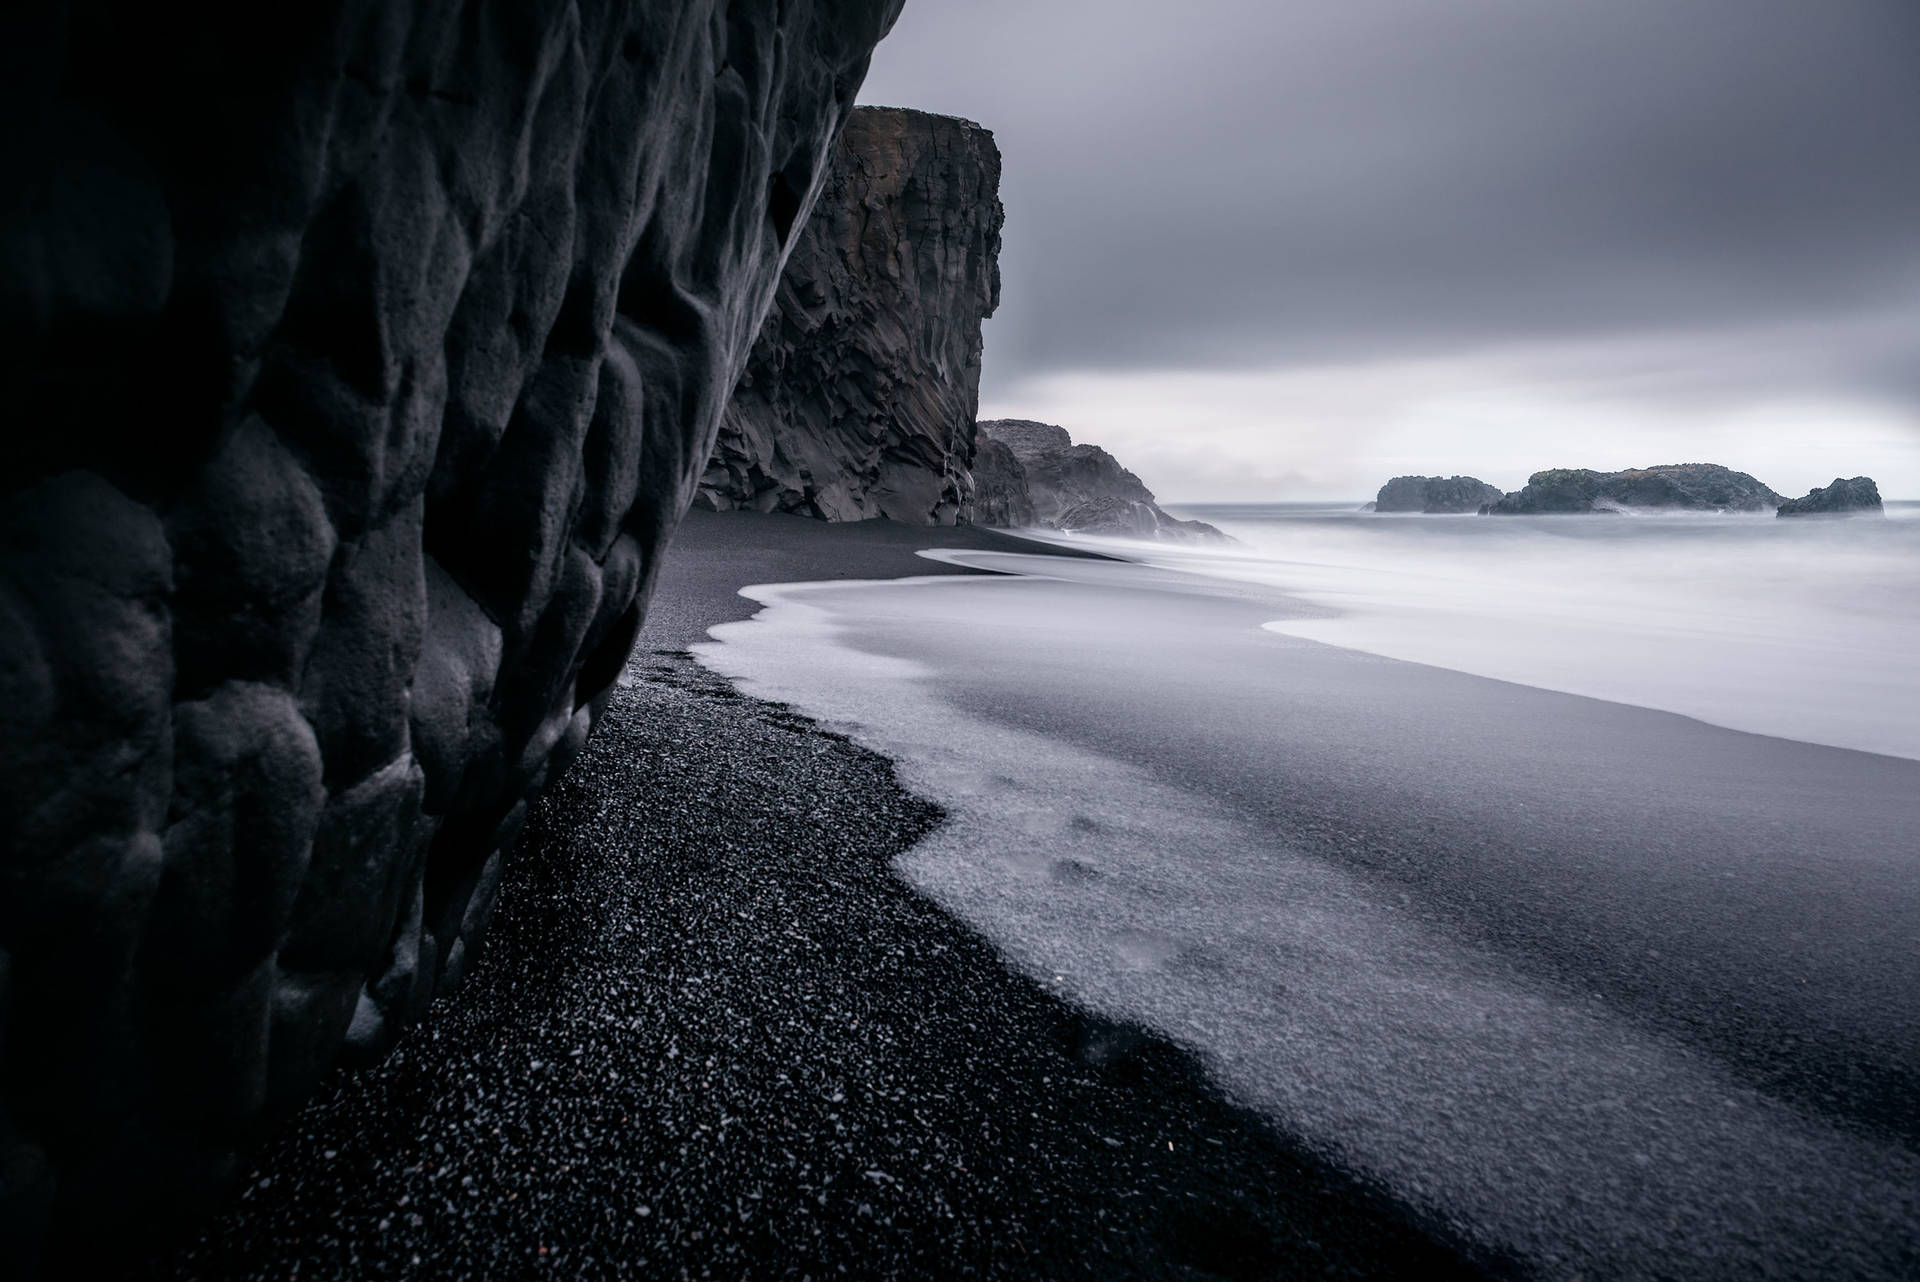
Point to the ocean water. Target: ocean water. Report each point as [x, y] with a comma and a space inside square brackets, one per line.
[1805, 629]
[1609, 990]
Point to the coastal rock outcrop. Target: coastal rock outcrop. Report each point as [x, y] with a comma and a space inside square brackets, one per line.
[1845, 497]
[359, 360]
[1699, 487]
[1000, 495]
[1082, 487]
[860, 395]
[1436, 495]
[1119, 518]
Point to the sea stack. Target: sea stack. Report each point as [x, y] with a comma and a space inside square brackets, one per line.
[1436, 495]
[1694, 487]
[860, 395]
[1842, 498]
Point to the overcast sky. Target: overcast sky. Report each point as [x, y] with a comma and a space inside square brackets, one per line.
[1288, 248]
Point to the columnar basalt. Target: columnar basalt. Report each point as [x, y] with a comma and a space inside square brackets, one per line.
[357, 363]
[860, 397]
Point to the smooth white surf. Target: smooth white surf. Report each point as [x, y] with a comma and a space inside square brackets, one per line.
[1534, 1121]
[1806, 629]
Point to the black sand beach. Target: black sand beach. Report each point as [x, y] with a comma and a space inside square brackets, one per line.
[712, 1035]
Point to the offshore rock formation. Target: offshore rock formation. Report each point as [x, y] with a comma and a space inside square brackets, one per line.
[1079, 488]
[1700, 487]
[860, 395]
[1436, 495]
[1842, 498]
[358, 361]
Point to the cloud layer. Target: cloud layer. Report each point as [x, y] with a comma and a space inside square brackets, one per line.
[1669, 213]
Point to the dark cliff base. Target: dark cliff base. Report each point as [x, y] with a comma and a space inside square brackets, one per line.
[717, 553]
[712, 1034]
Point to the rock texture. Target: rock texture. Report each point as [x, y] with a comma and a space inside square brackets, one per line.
[1435, 495]
[1700, 487]
[1080, 488]
[1842, 498]
[1000, 496]
[860, 396]
[358, 360]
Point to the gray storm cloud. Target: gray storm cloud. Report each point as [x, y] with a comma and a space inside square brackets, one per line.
[1227, 184]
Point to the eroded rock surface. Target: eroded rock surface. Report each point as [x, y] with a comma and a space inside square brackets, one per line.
[1842, 498]
[1436, 495]
[860, 396]
[1699, 487]
[1079, 487]
[358, 361]
[1000, 495]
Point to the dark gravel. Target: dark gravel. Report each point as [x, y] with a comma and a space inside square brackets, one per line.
[713, 1036]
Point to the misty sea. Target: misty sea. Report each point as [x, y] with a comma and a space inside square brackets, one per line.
[1558, 874]
[1807, 629]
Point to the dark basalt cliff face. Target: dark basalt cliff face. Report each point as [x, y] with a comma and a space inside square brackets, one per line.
[1843, 498]
[1079, 488]
[1436, 495]
[1000, 496]
[860, 396]
[1702, 487]
[358, 360]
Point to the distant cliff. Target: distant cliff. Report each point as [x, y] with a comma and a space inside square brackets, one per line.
[1079, 488]
[1436, 494]
[1000, 494]
[859, 397]
[1700, 487]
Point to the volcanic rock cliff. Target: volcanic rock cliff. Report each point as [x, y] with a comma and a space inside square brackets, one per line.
[860, 395]
[1079, 488]
[1000, 495]
[358, 359]
[1701, 487]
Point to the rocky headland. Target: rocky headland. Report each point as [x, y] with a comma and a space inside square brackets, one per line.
[1077, 488]
[1000, 496]
[1436, 495]
[859, 398]
[360, 363]
[1697, 487]
[1842, 498]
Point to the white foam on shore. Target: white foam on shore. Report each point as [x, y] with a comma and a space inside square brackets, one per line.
[1533, 1122]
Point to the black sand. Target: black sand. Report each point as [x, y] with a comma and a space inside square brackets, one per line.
[722, 552]
[714, 1036]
